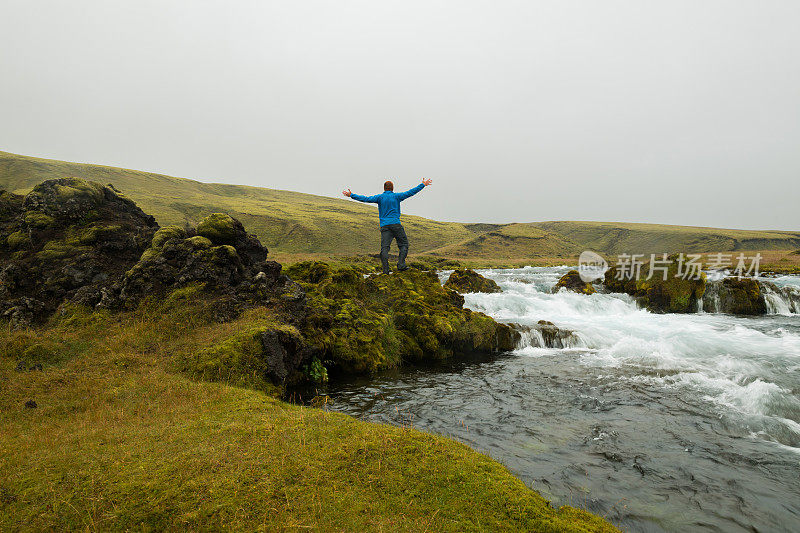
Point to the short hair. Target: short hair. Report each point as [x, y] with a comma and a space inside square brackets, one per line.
[388, 186]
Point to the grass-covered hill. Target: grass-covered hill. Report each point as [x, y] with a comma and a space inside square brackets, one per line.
[296, 223]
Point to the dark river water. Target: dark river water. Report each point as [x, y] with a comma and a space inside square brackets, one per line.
[656, 422]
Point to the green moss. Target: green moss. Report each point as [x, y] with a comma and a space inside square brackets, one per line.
[77, 187]
[59, 250]
[198, 242]
[364, 325]
[466, 280]
[32, 351]
[572, 281]
[167, 233]
[308, 271]
[219, 228]
[182, 296]
[18, 239]
[36, 219]
[742, 297]
[149, 254]
[79, 316]
[224, 252]
[238, 359]
[82, 236]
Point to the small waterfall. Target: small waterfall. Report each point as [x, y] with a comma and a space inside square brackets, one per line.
[710, 303]
[547, 335]
[781, 300]
[777, 300]
[530, 337]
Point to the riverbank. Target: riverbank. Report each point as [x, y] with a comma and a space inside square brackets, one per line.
[122, 438]
[656, 421]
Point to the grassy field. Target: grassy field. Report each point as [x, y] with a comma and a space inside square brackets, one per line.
[305, 225]
[123, 436]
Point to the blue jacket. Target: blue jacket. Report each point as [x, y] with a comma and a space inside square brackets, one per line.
[388, 203]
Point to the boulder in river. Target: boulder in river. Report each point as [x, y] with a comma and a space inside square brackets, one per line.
[662, 292]
[466, 280]
[368, 324]
[737, 296]
[572, 281]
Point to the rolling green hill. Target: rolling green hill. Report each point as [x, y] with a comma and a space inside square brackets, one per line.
[297, 223]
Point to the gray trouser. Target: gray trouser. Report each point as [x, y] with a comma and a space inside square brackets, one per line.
[389, 232]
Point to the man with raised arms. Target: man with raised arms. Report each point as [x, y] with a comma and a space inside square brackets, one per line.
[389, 215]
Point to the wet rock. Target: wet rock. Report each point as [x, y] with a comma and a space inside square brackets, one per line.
[572, 281]
[467, 280]
[554, 337]
[662, 293]
[735, 296]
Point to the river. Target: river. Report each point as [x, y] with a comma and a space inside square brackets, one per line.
[656, 422]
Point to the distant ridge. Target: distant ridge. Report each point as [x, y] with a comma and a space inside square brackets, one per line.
[294, 222]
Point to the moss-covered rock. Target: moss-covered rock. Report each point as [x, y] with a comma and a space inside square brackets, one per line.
[67, 239]
[198, 242]
[36, 219]
[59, 250]
[166, 233]
[259, 357]
[17, 240]
[467, 280]
[65, 198]
[572, 281]
[663, 292]
[368, 324]
[219, 228]
[239, 270]
[737, 296]
[309, 271]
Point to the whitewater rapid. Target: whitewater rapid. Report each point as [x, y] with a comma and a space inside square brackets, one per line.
[750, 365]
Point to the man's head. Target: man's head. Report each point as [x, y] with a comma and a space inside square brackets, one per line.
[388, 186]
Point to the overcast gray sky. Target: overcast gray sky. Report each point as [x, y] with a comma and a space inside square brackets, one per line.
[681, 112]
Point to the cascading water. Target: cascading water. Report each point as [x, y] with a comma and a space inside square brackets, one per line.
[659, 422]
[781, 296]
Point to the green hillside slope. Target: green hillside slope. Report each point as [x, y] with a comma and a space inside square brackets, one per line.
[293, 222]
[622, 237]
[285, 221]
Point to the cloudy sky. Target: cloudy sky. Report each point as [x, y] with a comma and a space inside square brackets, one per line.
[679, 112]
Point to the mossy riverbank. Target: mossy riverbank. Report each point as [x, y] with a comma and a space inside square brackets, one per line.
[126, 435]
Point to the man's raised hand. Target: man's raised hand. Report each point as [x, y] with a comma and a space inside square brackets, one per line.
[347, 193]
[426, 181]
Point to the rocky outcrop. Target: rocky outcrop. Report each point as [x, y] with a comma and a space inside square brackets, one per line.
[220, 254]
[72, 240]
[467, 280]
[66, 238]
[83, 247]
[572, 281]
[368, 324]
[663, 292]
